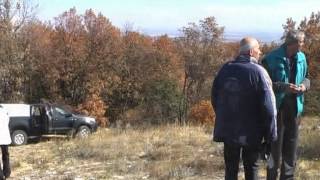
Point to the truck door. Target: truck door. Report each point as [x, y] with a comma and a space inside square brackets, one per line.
[47, 119]
[36, 120]
[62, 121]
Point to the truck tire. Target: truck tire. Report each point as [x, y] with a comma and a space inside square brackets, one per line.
[19, 137]
[83, 132]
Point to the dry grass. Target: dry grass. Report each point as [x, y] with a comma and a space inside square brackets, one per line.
[165, 152]
[309, 149]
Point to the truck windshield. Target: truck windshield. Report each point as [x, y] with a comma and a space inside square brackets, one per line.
[62, 110]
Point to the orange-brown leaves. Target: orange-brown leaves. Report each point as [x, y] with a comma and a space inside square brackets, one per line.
[202, 113]
[95, 107]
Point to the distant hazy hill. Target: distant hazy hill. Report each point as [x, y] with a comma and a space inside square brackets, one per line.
[266, 37]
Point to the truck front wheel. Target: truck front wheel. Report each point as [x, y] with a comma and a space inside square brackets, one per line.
[19, 137]
[83, 132]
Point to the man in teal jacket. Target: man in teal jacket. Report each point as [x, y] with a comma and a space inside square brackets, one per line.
[287, 67]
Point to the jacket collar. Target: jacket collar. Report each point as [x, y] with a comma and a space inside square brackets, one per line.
[246, 58]
[282, 53]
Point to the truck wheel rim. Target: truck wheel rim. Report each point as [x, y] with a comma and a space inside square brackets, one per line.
[19, 139]
[84, 133]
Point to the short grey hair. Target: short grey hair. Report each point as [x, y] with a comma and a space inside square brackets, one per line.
[294, 36]
[247, 44]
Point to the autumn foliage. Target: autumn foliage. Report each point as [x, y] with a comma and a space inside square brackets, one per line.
[202, 113]
[94, 106]
[115, 74]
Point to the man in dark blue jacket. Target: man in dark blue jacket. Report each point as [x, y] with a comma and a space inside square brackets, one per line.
[244, 103]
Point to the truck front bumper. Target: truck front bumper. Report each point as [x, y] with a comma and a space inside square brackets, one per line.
[94, 127]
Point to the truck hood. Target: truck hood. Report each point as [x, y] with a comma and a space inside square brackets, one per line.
[86, 118]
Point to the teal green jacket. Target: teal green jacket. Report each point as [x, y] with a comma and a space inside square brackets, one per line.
[277, 66]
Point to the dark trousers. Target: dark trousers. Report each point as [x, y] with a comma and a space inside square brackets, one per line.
[5, 170]
[250, 157]
[284, 150]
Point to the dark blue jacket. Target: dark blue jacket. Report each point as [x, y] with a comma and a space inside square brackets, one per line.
[244, 103]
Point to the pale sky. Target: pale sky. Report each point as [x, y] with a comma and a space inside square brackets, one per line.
[156, 17]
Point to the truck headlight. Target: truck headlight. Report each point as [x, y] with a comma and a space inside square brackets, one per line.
[90, 120]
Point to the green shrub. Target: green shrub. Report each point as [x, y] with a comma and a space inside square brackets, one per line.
[161, 100]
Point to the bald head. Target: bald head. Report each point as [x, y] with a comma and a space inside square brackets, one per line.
[250, 46]
[248, 43]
